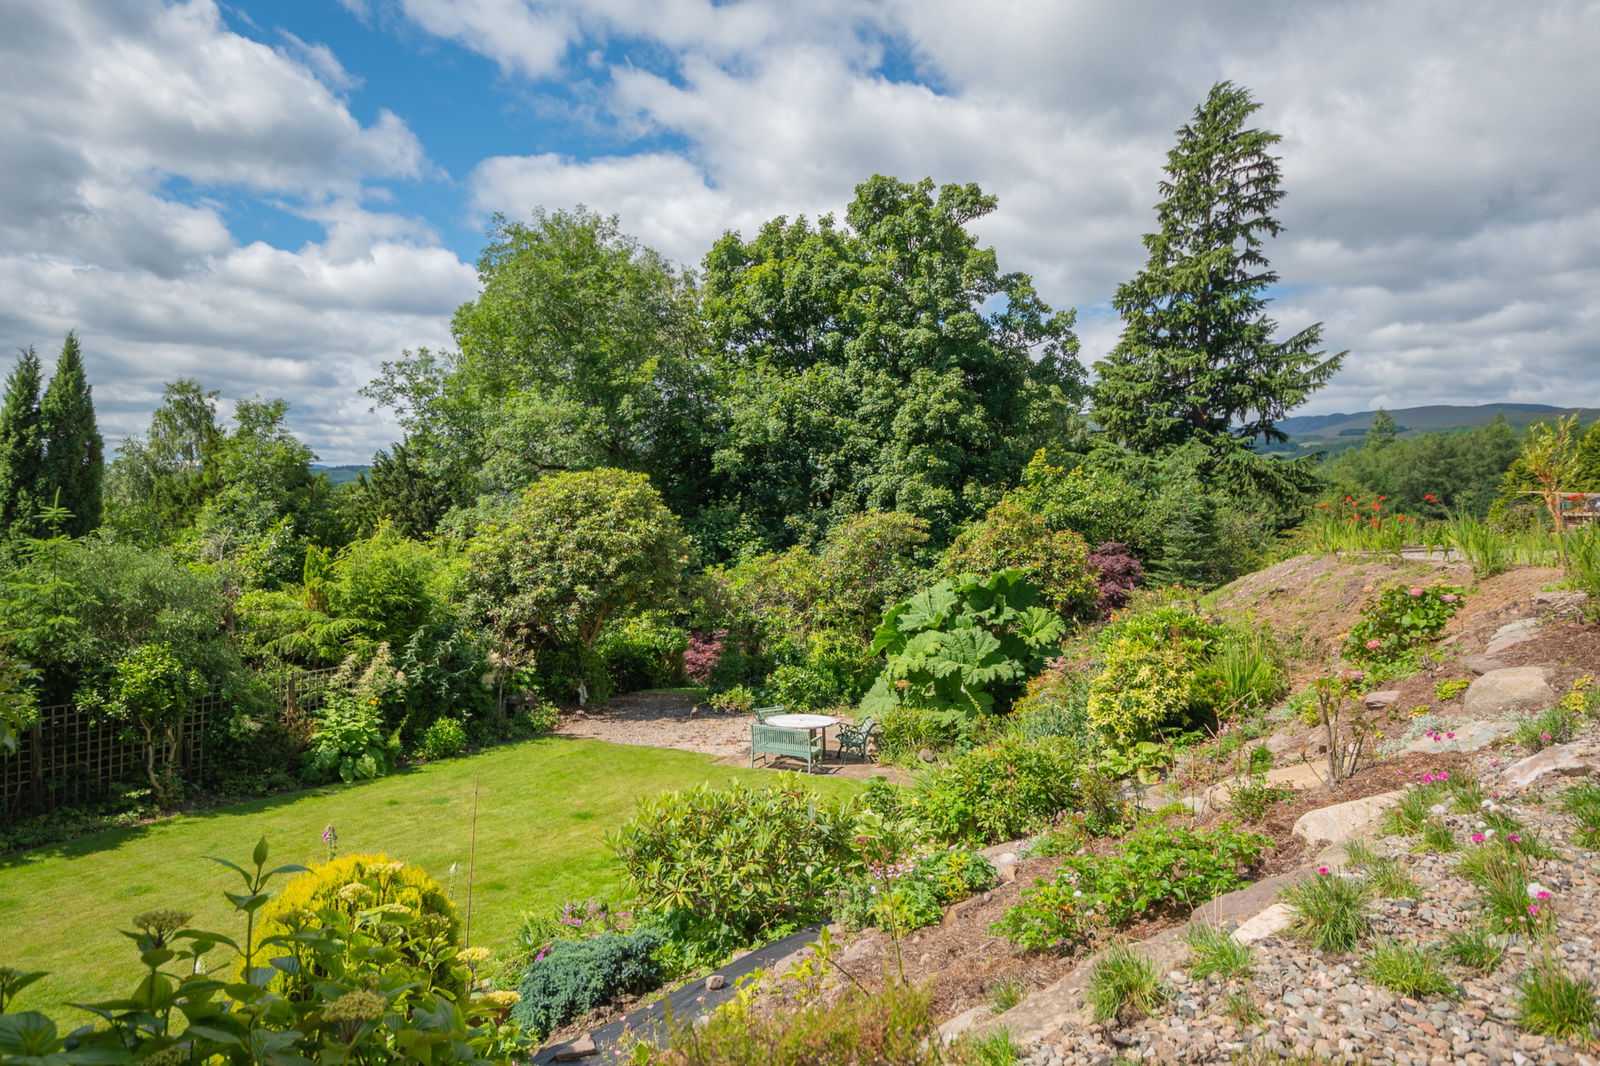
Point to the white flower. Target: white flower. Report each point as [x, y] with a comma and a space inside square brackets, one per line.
[1076, 893]
[1534, 888]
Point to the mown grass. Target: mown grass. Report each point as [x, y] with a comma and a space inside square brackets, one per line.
[543, 807]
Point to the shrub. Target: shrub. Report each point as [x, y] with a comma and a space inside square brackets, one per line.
[1013, 537]
[1329, 911]
[904, 731]
[1158, 866]
[963, 647]
[736, 700]
[149, 693]
[1554, 726]
[352, 742]
[1406, 970]
[1000, 791]
[576, 976]
[1251, 799]
[1150, 664]
[914, 893]
[1053, 705]
[1117, 573]
[363, 884]
[728, 864]
[701, 656]
[1125, 987]
[1401, 620]
[645, 651]
[1214, 951]
[534, 718]
[1449, 690]
[444, 738]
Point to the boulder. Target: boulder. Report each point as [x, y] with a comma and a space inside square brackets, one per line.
[1512, 634]
[1342, 821]
[1377, 701]
[1482, 664]
[1468, 736]
[1270, 922]
[1563, 759]
[580, 1048]
[964, 1021]
[716, 982]
[1512, 690]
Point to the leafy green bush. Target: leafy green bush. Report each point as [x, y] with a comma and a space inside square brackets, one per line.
[963, 647]
[575, 976]
[1157, 866]
[1399, 621]
[1001, 791]
[913, 893]
[731, 863]
[149, 693]
[904, 731]
[387, 989]
[1150, 670]
[1013, 537]
[444, 738]
[351, 742]
[645, 651]
[1054, 705]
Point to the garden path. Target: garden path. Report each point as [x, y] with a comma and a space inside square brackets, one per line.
[682, 722]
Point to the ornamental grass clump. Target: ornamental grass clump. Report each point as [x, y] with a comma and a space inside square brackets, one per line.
[1406, 970]
[1125, 987]
[1583, 804]
[1556, 1004]
[1330, 912]
[1389, 880]
[1214, 951]
[1476, 949]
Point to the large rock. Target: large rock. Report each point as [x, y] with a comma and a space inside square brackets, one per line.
[1300, 776]
[1482, 664]
[1516, 689]
[1270, 922]
[1561, 759]
[1342, 821]
[1377, 701]
[1468, 736]
[1512, 634]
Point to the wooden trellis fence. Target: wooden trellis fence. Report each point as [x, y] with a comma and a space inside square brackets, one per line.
[67, 757]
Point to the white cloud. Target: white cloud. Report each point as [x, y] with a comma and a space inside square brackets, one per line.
[107, 105]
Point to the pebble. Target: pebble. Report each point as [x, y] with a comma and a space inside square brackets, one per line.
[1323, 1007]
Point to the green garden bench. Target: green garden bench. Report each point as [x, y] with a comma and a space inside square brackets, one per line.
[763, 713]
[795, 743]
[854, 738]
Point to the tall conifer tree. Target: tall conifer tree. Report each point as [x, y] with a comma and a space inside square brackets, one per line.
[21, 450]
[1197, 357]
[74, 449]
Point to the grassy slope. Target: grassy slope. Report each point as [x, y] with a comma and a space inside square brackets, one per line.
[543, 807]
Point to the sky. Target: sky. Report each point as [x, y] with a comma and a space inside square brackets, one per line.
[275, 196]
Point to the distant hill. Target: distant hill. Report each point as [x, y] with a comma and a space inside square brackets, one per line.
[340, 475]
[1336, 432]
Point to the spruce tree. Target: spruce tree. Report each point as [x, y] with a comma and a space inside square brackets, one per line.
[1197, 357]
[74, 450]
[21, 450]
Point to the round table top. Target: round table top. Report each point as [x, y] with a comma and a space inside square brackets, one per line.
[801, 721]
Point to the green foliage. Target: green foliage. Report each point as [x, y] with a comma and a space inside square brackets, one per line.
[1400, 621]
[1430, 476]
[149, 692]
[1251, 799]
[863, 370]
[1243, 674]
[1476, 949]
[896, 1024]
[577, 549]
[1553, 1002]
[1553, 726]
[1407, 970]
[1012, 537]
[22, 451]
[645, 651]
[1449, 690]
[1124, 987]
[575, 976]
[727, 864]
[1582, 802]
[444, 738]
[1157, 866]
[963, 647]
[913, 893]
[1329, 911]
[351, 742]
[1100, 505]
[364, 884]
[1389, 880]
[1214, 952]
[1197, 359]
[16, 703]
[1000, 791]
[390, 986]
[1149, 677]
[73, 468]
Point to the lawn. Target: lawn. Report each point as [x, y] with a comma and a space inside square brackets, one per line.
[543, 807]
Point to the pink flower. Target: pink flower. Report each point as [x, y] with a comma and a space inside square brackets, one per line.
[1323, 870]
[1374, 644]
[1413, 592]
[1542, 895]
[1449, 736]
[1444, 775]
[1515, 838]
[1533, 910]
[1477, 838]
[1449, 597]
[1544, 736]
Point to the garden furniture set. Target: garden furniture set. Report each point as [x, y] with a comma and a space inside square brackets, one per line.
[804, 736]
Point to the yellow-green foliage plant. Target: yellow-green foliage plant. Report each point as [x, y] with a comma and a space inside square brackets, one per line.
[1150, 670]
[424, 928]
